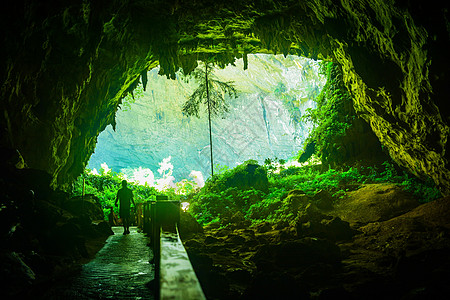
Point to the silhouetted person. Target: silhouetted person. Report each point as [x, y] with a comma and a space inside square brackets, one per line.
[125, 195]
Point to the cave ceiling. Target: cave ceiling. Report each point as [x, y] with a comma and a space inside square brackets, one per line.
[67, 65]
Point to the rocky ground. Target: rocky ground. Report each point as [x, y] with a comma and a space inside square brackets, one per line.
[376, 243]
[45, 235]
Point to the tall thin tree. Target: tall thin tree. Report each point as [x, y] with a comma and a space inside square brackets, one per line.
[210, 92]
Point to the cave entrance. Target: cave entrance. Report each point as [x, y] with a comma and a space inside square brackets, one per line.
[155, 143]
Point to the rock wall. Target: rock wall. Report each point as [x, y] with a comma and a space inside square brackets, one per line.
[67, 65]
[64, 70]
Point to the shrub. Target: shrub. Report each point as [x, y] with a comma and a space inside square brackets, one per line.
[257, 205]
[105, 187]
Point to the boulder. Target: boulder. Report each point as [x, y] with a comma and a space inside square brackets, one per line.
[193, 245]
[215, 285]
[66, 239]
[234, 239]
[262, 227]
[287, 233]
[412, 249]
[374, 203]
[239, 222]
[102, 228]
[36, 180]
[311, 213]
[311, 222]
[239, 275]
[425, 228]
[323, 200]
[295, 199]
[200, 261]
[87, 205]
[274, 286]
[246, 176]
[15, 275]
[297, 254]
[211, 240]
[46, 215]
[188, 224]
[251, 176]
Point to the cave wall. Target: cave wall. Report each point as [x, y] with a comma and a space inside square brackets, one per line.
[65, 68]
[388, 68]
[67, 64]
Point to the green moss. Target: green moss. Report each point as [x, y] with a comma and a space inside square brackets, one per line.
[331, 118]
[223, 195]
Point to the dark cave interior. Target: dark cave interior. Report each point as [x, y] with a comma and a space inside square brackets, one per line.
[66, 66]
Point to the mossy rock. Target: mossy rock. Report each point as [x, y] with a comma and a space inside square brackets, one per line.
[87, 205]
[246, 176]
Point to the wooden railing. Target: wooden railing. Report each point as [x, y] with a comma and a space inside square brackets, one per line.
[174, 276]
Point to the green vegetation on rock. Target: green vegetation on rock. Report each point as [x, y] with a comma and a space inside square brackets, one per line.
[332, 117]
[259, 194]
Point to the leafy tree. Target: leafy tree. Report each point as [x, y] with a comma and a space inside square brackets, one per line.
[210, 92]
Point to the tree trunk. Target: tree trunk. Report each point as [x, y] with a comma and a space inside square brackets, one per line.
[209, 117]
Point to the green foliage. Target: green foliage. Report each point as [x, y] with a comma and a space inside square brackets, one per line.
[424, 190]
[184, 187]
[311, 179]
[233, 177]
[227, 193]
[331, 118]
[216, 203]
[211, 206]
[220, 169]
[291, 99]
[105, 187]
[272, 165]
[214, 97]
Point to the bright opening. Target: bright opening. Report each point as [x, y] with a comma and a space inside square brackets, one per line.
[156, 145]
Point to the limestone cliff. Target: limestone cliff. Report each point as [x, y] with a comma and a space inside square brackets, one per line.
[67, 65]
[263, 122]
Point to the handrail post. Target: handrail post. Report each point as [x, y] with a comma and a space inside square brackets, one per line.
[174, 275]
[147, 218]
[155, 242]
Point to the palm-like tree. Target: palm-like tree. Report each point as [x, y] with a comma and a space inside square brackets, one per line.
[210, 92]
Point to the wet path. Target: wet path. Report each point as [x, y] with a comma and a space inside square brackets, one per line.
[120, 270]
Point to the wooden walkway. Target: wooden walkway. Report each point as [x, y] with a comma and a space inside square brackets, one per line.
[127, 268]
[120, 270]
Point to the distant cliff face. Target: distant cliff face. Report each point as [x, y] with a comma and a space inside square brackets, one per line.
[262, 123]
